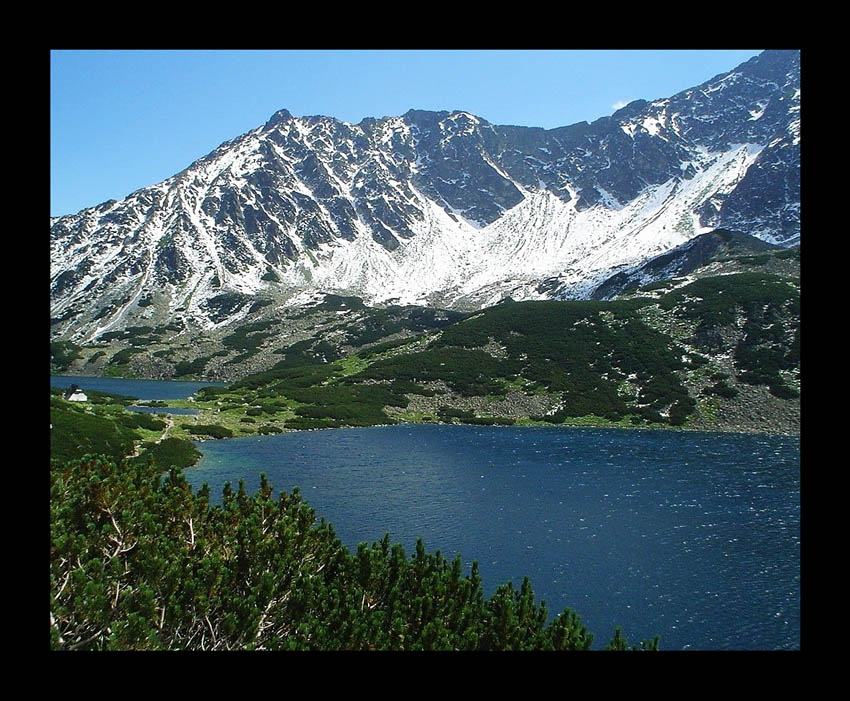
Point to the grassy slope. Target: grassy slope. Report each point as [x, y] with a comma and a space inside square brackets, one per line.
[322, 332]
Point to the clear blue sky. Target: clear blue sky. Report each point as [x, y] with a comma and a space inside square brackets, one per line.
[122, 120]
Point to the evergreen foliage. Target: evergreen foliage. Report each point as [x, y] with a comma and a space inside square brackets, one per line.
[105, 428]
[191, 367]
[378, 324]
[721, 389]
[766, 309]
[379, 348]
[249, 336]
[141, 562]
[62, 354]
[141, 420]
[171, 452]
[337, 302]
[470, 372]
[75, 432]
[713, 301]
[619, 644]
[96, 356]
[582, 350]
[307, 352]
[212, 430]
[210, 393]
[617, 361]
[122, 357]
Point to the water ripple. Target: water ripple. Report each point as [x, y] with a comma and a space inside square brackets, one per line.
[691, 536]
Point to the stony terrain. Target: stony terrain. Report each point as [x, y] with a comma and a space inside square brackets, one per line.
[338, 327]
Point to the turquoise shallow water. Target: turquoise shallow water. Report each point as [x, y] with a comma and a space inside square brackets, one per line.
[693, 536]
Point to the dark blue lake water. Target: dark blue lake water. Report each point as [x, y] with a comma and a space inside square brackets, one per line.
[141, 389]
[693, 536]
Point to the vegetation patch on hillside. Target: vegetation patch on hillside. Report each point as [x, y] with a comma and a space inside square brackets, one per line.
[62, 354]
[766, 311]
[633, 362]
[644, 360]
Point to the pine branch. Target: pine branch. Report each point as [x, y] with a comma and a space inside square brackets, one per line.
[53, 624]
[191, 534]
[86, 641]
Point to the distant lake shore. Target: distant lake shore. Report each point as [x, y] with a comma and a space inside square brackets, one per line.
[140, 388]
[749, 418]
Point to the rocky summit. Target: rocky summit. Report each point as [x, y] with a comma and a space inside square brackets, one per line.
[439, 209]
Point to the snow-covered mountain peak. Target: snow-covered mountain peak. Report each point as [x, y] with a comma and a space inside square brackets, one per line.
[440, 208]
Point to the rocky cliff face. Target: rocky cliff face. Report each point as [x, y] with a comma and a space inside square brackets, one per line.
[435, 208]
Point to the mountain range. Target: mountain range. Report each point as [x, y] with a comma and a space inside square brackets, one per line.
[437, 209]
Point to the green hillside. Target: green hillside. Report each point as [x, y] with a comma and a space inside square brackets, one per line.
[103, 426]
[323, 331]
[718, 352]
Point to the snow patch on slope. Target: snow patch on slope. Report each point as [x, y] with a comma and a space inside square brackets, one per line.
[542, 236]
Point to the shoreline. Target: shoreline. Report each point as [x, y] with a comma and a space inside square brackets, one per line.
[703, 422]
[671, 429]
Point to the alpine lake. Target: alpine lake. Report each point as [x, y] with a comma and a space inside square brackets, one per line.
[692, 536]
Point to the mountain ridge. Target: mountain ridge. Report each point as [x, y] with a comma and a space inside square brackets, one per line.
[440, 209]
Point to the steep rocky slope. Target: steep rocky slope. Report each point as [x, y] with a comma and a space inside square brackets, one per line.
[433, 208]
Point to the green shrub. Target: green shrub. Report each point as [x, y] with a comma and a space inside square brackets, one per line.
[213, 430]
[248, 336]
[210, 393]
[138, 419]
[783, 391]
[123, 356]
[191, 367]
[171, 452]
[75, 433]
[138, 562]
[721, 389]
